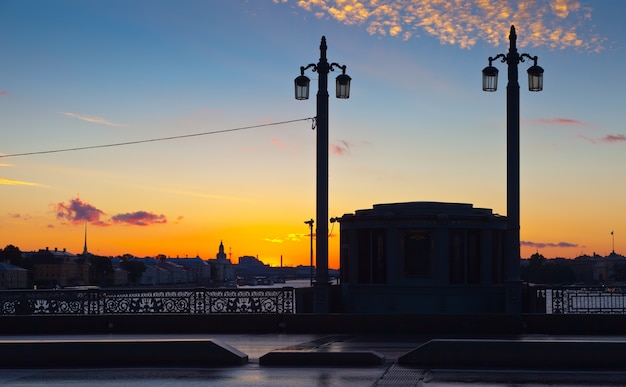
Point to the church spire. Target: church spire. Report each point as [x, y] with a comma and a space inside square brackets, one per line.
[85, 252]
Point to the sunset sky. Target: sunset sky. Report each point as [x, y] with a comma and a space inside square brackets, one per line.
[417, 125]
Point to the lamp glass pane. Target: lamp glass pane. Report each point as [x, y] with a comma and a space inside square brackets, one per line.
[343, 86]
[301, 84]
[535, 78]
[490, 78]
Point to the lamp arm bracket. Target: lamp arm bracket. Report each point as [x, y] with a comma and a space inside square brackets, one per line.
[533, 58]
[492, 58]
[310, 65]
[332, 65]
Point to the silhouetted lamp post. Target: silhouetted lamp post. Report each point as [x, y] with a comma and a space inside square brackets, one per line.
[490, 83]
[302, 92]
[310, 223]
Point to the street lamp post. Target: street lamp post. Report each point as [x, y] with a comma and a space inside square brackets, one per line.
[310, 223]
[302, 93]
[535, 83]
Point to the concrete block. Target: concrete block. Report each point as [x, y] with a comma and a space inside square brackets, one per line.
[105, 353]
[518, 354]
[319, 358]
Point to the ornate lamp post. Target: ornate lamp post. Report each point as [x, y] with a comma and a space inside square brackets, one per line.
[535, 83]
[302, 92]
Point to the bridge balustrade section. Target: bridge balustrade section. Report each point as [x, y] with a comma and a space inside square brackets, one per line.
[579, 300]
[197, 301]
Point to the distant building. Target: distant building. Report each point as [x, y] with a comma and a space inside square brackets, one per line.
[154, 275]
[222, 269]
[423, 257]
[58, 268]
[198, 270]
[178, 274]
[252, 262]
[252, 266]
[583, 269]
[119, 277]
[12, 277]
[597, 269]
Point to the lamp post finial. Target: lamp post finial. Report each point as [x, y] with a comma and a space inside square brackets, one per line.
[512, 39]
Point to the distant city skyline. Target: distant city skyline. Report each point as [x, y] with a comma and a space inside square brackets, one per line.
[417, 126]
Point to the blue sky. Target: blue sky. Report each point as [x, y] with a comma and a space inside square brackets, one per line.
[417, 125]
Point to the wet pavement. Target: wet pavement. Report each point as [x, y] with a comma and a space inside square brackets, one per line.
[252, 373]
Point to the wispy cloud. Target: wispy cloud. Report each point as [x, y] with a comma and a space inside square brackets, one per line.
[273, 240]
[76, 211]
[296, 237]
[4, 181]
[278, 143]
[3, 93]
[343, 147]
[609, 138]
[288, 238]
[92, 119]
[614, 138]
[558, 121]
[557, 24]
[139, 218]
[282, 146]
[203, 195]
[541, 245]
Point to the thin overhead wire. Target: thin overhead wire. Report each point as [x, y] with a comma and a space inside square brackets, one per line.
[154, 139]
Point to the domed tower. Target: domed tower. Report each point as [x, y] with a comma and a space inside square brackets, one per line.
[221, 255]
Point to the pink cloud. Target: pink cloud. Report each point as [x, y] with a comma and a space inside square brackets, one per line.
[558, 121]
[614, 138]
[609, 138]
[77, 211]
[4, 93]
[344, 147]
[279, 144]
[591, 140]
[139, 218]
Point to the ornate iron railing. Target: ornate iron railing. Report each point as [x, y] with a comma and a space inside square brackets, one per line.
[603, 300]
[149, 302]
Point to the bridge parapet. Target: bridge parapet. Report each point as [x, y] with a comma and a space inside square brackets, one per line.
[578, 299]
[196, 301]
